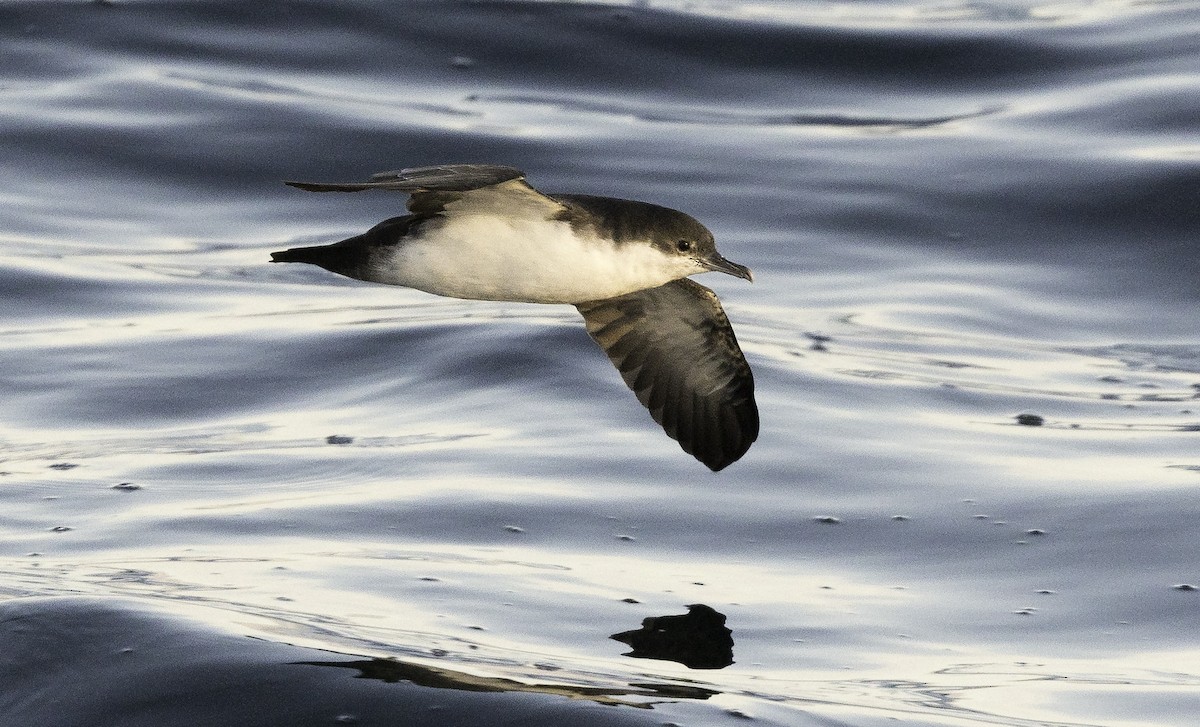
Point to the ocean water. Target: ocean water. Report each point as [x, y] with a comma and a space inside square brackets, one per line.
[241, 493]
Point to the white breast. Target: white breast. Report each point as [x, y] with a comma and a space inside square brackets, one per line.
[488, 257]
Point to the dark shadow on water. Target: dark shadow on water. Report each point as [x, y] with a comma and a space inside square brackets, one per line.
[697, 639]
[393, 671]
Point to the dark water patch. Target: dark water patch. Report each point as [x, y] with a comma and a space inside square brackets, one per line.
[69, 661]
[42, 291]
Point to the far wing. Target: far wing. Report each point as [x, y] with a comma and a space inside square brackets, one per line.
[457, 188]
[676, 350]
[444, 178]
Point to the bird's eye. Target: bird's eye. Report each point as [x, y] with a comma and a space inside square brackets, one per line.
[683, 246]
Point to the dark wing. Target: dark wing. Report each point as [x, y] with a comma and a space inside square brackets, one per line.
[455, 188]
[676, 350]
[444, 178]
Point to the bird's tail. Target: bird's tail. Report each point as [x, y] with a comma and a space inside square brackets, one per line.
[349, 257]
[298, 255]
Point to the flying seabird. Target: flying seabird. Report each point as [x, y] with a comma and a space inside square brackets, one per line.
[479, 232]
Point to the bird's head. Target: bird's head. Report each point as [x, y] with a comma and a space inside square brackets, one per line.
[691, 245]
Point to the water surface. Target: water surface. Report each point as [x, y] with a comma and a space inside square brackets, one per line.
[956, 214]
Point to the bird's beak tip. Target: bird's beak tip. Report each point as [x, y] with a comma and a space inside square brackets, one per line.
[721, 265]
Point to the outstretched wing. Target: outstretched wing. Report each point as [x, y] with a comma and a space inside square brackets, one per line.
[457, 188]
[676, 350]
[443, 178]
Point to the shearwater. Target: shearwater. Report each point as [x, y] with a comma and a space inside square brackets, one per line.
[480, 232]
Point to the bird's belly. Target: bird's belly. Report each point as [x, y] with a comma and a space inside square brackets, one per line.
[533, 262]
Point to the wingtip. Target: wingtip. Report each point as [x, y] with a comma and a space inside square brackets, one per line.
[716, 464]
[335, 187]
[307, 186]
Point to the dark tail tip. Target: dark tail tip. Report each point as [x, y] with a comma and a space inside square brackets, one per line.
[341, 258]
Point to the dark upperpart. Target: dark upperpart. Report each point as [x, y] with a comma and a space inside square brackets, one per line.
[628, 220]
[350, 257]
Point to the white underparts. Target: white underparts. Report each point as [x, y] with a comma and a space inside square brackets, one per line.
[489, 257]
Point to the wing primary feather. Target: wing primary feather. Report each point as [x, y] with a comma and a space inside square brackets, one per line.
[676, 350]
[445, 178]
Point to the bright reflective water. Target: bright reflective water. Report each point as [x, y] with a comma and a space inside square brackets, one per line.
[956, 213]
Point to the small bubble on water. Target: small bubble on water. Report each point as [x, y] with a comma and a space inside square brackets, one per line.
[126, 487]
[1035, 532]
[61, 529]
[513, 529]
[626, 538]
[901, 518]
[1185, 587]
[827, 519]
[346, 719]
[338, 439]
[462, 62]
